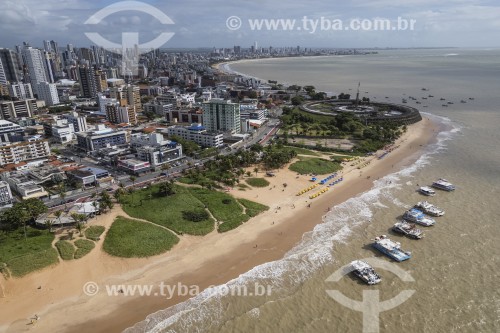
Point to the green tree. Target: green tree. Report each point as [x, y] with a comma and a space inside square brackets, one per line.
[34, 207]
[133, 179]
[297, 100]
[166, 188]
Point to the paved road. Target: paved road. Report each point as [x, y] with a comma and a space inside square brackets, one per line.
[262, 136]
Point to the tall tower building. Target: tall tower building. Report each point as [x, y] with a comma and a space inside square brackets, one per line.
[3, 78]
[101, 80]
[11, 66]
[34, 62]
[48, 61]
[221, 115]
[88, 86]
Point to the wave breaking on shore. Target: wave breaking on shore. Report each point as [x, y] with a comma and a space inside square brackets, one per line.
[316, 249]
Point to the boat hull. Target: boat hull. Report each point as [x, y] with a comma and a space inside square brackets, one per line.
[396, 255]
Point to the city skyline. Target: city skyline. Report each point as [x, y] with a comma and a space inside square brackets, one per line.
[463, 23]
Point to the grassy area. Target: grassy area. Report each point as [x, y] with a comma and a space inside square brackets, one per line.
[223, 207]
[84, 246]
[253, 208]
[94, 232]
[148, 204]
[303, 151]
[131, 238]
[316, 166]
[66, 249]
[21, 266]
[25, 256]
[242, 186]
[257, 182]
[171, 211]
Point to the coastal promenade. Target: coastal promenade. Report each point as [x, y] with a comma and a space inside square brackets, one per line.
[230, 254]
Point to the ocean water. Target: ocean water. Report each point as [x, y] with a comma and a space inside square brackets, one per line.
[455, 267]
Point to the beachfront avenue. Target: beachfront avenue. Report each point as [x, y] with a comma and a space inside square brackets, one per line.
[322, 24]
[170, 291]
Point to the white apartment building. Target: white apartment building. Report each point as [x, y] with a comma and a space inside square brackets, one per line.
[79, 122]
[32, 148]
[34, 61]
[154, 149]
[48, 93]
[197, 134]
[21, 90]
[63, 131]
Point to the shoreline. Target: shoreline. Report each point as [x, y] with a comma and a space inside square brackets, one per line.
[224, 67]
[230, 255]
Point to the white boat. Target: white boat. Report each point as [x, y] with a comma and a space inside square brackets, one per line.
[391, 249]
[426, 190]
[417, 216]
[443, 184]
[429, 208]
[365, 272]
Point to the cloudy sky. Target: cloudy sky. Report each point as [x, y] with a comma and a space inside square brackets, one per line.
[203, 23]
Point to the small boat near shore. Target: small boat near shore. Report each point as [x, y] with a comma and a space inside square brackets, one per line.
[409, 230]
[443, 184]
[429, 208]
[417, 216]
[391, 249]
[426, 190]
[365, 272]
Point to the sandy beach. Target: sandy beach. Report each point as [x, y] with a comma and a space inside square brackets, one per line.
[56, 294]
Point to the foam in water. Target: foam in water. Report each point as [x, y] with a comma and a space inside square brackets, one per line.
[207, 310]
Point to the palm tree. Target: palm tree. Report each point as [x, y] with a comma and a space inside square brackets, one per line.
[58, 214]
[78, 218]
[256, 170]
[49, 224]
[62, 194]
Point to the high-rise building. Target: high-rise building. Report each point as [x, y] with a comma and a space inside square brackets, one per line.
[101, 80]
[221, 115]
[88, 87]
[3, 77]
[121, 114]
[10, 64]
[48, 93]
[34, 61]
[128, 95]
[48, 62]
[21, 90]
